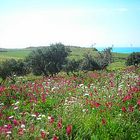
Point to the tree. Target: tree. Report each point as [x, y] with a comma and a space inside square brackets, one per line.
[48, 60]
[12, 67]
[89, 63]
[37, 61]
[133, 59]
[105, 57]
[72, 66]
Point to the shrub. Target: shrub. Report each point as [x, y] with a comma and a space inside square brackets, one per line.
[89, 63]
[12, 67]
[72, 66]
[48, 60]
[104, 58]
[133, 59]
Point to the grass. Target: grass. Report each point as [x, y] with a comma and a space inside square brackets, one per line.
[16, 54]
[97, 105]
[76, 53]
[117, 66]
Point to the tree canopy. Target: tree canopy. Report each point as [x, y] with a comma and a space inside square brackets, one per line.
[48, 60]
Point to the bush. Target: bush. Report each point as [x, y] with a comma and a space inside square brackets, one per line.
[12, 67]
[72, 66]
[133, 59]
[89, 63]
[104, 58]
[48, 60]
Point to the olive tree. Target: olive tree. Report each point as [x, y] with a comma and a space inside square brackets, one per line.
[48, 60]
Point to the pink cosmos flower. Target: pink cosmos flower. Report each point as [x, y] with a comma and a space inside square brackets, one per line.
[69, 129]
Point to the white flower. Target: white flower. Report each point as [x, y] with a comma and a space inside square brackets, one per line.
[8, 132]
[17, 103]
[15, 107]
[84, 110]
[23, 126]
[43, 116]
[1, 104]
[81, 85]
[33, 115]
[49, 117]
[11, 117]
[86, 94]
[38, 118]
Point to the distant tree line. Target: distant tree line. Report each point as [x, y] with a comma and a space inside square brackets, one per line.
[54, 58]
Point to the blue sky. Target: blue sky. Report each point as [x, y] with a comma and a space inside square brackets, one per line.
[25, 23]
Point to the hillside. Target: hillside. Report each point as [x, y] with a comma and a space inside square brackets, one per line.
[76, 53]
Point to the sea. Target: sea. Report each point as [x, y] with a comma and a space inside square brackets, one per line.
[123, 49]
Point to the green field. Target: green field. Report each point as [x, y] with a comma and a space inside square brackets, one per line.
[16, 54]
[76, 53]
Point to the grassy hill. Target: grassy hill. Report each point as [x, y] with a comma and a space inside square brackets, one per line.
[76, 52]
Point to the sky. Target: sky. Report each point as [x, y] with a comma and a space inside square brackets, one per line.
[101, 23]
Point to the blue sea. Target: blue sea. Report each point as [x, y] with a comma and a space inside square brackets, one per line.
[123, 49]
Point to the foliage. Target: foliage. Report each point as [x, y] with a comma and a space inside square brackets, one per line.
[48, 60]
[72, 66]
[116, 66]
[89, 63]
[105, 58]
[133, 59]
[12, 67]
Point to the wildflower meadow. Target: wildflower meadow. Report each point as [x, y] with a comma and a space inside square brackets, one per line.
[98, 105]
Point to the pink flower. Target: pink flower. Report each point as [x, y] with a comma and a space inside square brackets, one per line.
[123, 109]
[127, 97]
[138, 102]
[16, 123]
[9, 126]
[51, 119]
[20, 131]
[59, 124]
[55, 138]
[131, 108]
[43, 134]
[43, 98]
[69, 129]
[2, 88]
[95, 104]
